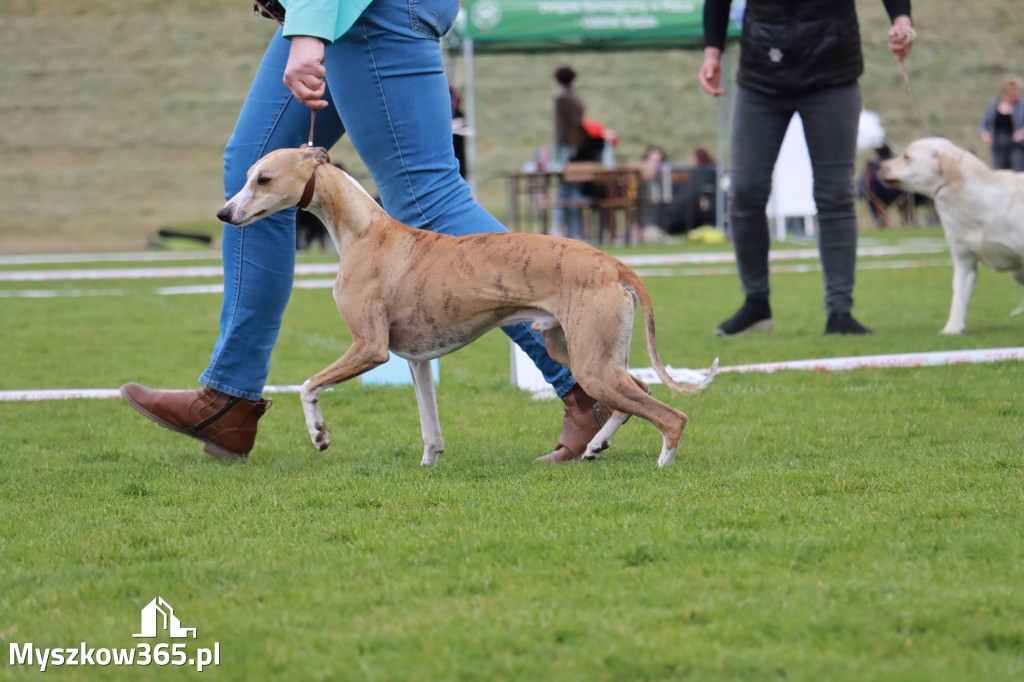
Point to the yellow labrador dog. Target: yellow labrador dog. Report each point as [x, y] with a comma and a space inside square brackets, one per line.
[982, 213]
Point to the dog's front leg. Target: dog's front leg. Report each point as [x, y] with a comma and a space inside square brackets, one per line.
[359, 358]
[314, 416]
[965, 273]
[426, 400]
[603, 440]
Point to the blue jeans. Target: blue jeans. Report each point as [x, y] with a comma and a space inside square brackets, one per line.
[386, 81]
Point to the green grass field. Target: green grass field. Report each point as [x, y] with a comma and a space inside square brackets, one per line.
[859, 525]
[816, 526]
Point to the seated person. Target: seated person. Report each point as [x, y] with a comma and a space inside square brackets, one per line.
[705, 181]
[701, 158]
[693, 201]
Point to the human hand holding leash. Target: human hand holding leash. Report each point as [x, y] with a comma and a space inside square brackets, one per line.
[304, 74]
[901, 37]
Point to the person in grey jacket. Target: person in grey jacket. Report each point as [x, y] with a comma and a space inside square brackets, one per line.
[795, 58]
[1002, 127]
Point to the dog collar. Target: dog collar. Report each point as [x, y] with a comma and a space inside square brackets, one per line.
[307, 191]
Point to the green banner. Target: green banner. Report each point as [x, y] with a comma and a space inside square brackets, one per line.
[534, 25]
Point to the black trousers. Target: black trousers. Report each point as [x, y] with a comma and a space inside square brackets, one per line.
[759, 122]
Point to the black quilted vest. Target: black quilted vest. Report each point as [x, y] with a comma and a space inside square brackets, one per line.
[789, 47]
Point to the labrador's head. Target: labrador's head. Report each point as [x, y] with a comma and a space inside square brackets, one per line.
[925, 166]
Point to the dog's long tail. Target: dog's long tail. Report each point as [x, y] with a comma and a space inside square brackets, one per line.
[631, 279]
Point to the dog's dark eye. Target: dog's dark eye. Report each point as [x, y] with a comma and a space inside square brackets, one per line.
[264, 180]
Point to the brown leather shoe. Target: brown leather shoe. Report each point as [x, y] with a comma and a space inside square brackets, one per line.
[226, 424]
[583, 418]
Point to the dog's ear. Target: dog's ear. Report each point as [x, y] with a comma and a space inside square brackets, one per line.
[950, 170]
[316, 154]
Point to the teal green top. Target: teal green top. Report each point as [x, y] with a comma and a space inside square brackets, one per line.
[324, 19]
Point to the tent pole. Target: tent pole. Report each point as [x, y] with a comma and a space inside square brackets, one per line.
[724, 125]
[470, 114]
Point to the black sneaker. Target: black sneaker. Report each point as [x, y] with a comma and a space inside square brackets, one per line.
[843, 323]
[751, 317]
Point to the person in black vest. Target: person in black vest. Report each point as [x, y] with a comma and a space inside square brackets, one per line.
[795, 57]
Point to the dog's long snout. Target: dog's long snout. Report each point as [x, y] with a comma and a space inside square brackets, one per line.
[224, 214]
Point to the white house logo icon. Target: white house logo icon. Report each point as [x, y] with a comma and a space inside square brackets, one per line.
[151, 620]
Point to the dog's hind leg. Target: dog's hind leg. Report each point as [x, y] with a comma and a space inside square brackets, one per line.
[601, 370]
[359, 358]
[603, 440]
[426, 400]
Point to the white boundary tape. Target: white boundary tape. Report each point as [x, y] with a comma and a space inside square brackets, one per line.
[931, 359]
[649, 265]
[179, 272]
[920, 245]
[127, 257]
[525, 375]
[74, 393]
[329, 283]
[639, 261]
[520, 370]
[928, 359]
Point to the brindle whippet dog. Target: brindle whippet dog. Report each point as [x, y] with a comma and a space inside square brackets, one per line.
[422, 295]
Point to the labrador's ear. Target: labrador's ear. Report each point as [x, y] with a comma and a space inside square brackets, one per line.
[950, 170]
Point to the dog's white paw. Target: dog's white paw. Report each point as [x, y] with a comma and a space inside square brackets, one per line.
[595, 448]
[951, 331]
[667, 457]
[430, 455]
